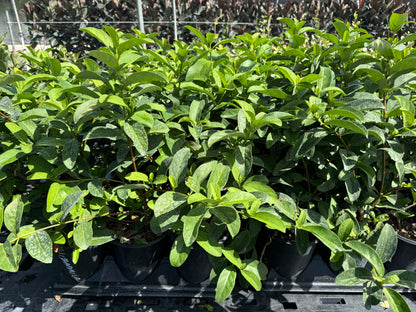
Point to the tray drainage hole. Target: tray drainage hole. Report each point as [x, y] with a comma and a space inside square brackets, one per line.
[195, 301]
[333, 301]
[92, 306]
[290, 305]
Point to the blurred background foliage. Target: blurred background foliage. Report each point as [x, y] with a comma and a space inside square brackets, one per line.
[57, 22]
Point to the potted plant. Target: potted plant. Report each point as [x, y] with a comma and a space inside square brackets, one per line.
[217, 141]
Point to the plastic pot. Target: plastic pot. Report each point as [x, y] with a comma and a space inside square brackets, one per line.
[197, 266]
[88, 263]
[405, 256]
[137, 262]
[284, 258]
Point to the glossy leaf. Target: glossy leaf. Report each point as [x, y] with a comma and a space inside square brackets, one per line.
[179, 252]
[229, 216]
[226, 283]
[13, 214]
[166, 207]
[70, 201]
[369, 254]
[396, 301]
[353, 277]
[326, 236]
[387, 243]
[191, 223]
[138, 136]
[39, 246]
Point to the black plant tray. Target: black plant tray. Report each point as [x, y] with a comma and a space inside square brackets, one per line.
[165, 290]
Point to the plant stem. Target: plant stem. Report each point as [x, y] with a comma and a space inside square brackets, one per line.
[6, 117]
[133, 160]
[264, 249]
[307, 175]
[410, 206]
[53, 226]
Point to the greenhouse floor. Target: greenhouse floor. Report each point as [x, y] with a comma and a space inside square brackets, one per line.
[46, 288]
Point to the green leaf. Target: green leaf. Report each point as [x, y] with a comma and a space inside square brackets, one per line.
[196, 32]
[372, 293]
[254, 272]
[200, 70]
[145, 77]
[105, 57]
[397, 21]
[54, 66]
[91, 75]
[138, 136]
[39, 77]
[369, 254]
[274, 92]
[8, 79]
[349, 125]
[233, 257]
[226, 283]
[353, 277]
[244, 159]
[345, 229]
[10, 156]
[179, 252]
[289, 74]
[144, 118]
[383, 47]
[70, 153]
[17, 131]
[346, 111]
[9, 257]
[254, 186]
[327, 78]
[326, 236]
[270, 218]
[306, 142]
[83, 232]
[222, 135]
[396, 300]
[95, 187]
[287, 206]
[191, 223]
[229, 216]
[13, 214]
[386, 243]
[218, 178]
[99, 34]
[70, 201]
[353, 188]
[405, 65]
[349, 159]
[39, 246]
[236, 196]
[166, 208]
[406, 278]
[85, 109]
[137, 176]
[213, 248]
[193, 86]
[109, 132]
[178, 166]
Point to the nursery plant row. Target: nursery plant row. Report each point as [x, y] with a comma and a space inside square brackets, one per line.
[229, 146]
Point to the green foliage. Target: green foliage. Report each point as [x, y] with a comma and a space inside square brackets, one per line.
[215, 140]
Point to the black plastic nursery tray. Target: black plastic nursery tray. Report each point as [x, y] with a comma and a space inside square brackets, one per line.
[108, 290]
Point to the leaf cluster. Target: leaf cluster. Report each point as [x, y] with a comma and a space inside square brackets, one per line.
[216, 140]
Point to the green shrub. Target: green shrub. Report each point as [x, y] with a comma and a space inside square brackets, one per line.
[313, 132]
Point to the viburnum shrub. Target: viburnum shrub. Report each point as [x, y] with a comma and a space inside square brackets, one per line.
[310, 133]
